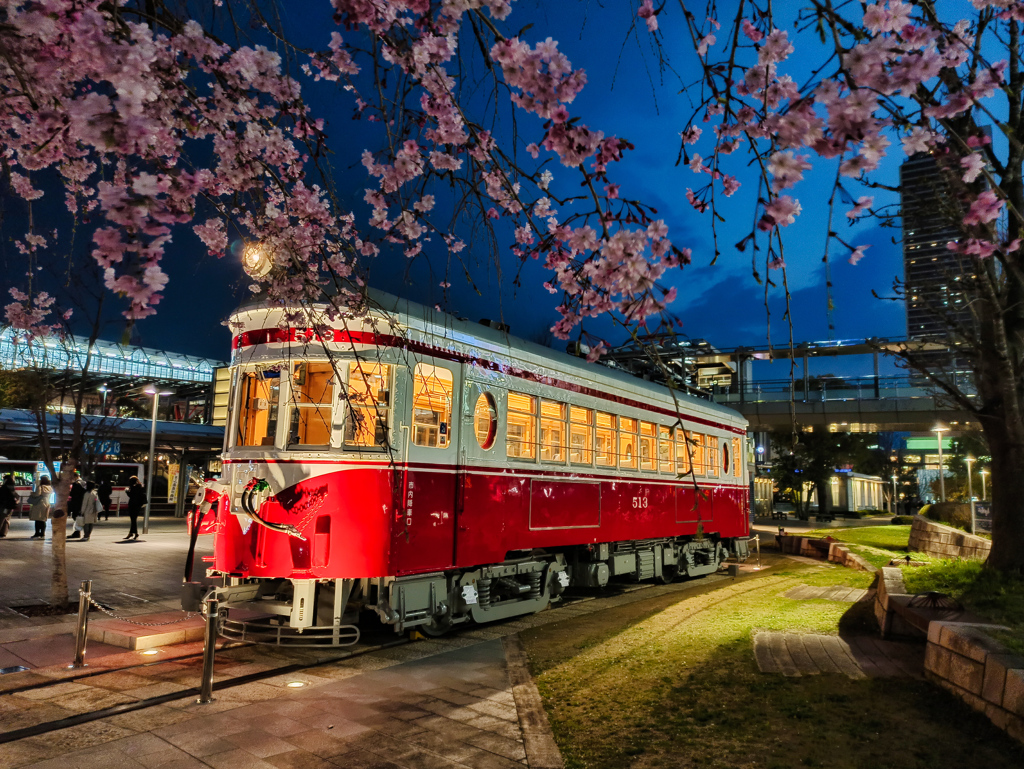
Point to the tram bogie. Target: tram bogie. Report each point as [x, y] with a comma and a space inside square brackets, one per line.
[443, 473]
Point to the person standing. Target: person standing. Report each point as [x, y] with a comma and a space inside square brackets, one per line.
[8, 504]
[39, 506]
[136, 501]
[106, 495]
[75, 497]
[91, 509]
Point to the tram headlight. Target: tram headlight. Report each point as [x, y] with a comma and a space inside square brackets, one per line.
[256, 261]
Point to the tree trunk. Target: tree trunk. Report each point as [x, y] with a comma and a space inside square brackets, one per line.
[58, 546]
[1007, 496]
[824, 505]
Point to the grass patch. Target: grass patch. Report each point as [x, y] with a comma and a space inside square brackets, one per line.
[878, 545]
[984, 591]
[673, 683]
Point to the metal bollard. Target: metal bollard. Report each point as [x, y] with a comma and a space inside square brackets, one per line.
[757, 543]
[209, 647]
[81, 633]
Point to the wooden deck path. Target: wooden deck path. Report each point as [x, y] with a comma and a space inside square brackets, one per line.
[807, 654]
[833, 593]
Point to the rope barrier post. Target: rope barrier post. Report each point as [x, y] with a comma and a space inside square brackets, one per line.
[209, 647]
[81, 632]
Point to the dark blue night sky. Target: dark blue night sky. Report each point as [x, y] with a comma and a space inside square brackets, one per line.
[720, 303]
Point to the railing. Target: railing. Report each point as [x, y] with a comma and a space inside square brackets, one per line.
[847, 388]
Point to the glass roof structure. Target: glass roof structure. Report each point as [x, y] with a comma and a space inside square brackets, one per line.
[72, 354]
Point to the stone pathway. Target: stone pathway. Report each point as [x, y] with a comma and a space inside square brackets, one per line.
[833, 593]
[803, 654]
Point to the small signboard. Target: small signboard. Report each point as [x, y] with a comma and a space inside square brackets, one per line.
[103, 447]
[983, 517]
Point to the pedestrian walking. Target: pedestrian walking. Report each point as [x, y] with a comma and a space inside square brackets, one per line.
[8, 504]
[75, 497]
[106, 494]
[91, 509]
[136, 501]
[39, 506]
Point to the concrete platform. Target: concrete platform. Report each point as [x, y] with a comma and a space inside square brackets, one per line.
[147, 631]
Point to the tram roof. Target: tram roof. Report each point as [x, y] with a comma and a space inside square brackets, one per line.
[439, 324]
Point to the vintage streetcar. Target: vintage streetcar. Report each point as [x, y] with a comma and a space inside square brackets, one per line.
[438, 472]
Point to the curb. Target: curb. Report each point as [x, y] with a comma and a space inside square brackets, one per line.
[541, 750]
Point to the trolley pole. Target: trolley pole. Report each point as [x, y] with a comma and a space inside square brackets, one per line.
[209, 647]
[82, 631]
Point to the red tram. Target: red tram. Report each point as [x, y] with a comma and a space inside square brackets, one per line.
[437, 471]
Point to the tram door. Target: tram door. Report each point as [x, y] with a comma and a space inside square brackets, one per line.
[478, 496]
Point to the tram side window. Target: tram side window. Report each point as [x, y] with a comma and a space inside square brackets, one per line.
[552, 431]
[665, 452]
[521, 435]
[258, 408]
[627, 442]
[433, 388]
[697, 453]
[711, 455]
[737, 458]
[580, 434]
[684, 452]
[606, 453]
[369, 403]
[647, 455]
[312, 401]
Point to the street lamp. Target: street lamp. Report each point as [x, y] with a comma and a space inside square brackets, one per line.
[939, 430]
[983, 472]
[152, 451]
[895, 511]
[970, 489]
[104, 389]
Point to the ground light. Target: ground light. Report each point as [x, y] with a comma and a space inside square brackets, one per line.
[150, 652]
[295, 684]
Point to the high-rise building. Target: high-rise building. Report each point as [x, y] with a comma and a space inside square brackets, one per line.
[932, 274]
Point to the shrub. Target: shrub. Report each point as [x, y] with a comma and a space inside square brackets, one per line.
[956, 514]
[902, 520]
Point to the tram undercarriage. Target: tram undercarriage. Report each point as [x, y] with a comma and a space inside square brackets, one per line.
[292, 612]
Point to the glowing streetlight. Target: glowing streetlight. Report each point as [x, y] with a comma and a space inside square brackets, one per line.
[939, 430]
[983, 472]
[152, 452]
[894, 510]
[104, 389]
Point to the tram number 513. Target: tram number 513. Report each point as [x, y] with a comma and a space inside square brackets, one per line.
[639, 503]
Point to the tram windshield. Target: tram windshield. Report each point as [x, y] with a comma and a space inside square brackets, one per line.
[306, 401]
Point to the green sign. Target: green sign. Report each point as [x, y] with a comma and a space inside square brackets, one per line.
[928, 444]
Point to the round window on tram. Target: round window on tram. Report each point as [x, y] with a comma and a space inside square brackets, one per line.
[485, 420]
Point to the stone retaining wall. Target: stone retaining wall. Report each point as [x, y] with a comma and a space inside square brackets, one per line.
[943, 541]
[961, 657]
[812, 547]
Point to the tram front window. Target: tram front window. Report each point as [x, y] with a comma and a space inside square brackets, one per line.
[311, 404]
[368, 404]
[258, 407]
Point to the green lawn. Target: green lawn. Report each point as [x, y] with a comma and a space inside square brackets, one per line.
[673, 683]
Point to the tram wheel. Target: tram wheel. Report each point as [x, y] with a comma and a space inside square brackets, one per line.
[438, 626]
[669, 573]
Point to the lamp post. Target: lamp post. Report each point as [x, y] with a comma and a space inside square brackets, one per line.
[104, 390]
[970, 490]
[895, 510]
[939, 430]
[152, 451]
[983, 472]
